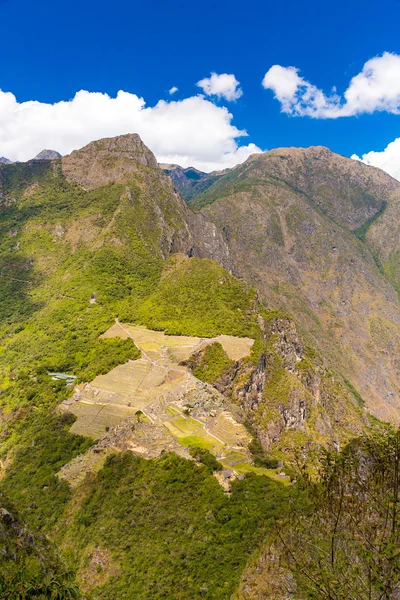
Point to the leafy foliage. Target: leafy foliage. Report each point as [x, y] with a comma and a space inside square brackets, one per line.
[182, 536]
[213, 364]
[345, 542]
[260, 457]
[21, 586]
[30, 482]
[206, 458]
[29, 566]
[198, 297]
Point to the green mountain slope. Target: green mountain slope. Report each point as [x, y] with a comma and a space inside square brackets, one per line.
[102, 235]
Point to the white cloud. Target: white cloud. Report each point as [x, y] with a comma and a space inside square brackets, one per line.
[376, 88]
[223, 86]
[191, 132]
[297, 96]
[388, 160]
[173, 90]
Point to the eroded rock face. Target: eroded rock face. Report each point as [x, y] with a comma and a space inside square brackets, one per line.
[107, 160]
[266, 578]
[126, 159]
[47, 155]
[289, 392]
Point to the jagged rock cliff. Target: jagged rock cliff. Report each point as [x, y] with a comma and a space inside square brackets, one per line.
[287, 395]
[126, 158]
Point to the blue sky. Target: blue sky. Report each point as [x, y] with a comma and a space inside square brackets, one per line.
[51, 50]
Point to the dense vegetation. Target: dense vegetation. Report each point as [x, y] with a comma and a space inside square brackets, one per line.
[205, 457]
[198, 297]
[344, 542]
[212, 364]
[44, 445]
[30, 567]
[182, 536]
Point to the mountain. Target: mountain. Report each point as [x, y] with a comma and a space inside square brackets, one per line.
[190, 182]
[316, 234]
[4, 161]
[158, 399]
[113, 223]
[97, 236]
[47, 155]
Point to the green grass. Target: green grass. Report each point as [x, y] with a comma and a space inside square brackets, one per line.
[246, 467]
[193, 440]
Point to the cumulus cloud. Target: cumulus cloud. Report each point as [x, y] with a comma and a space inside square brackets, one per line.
[223, 86]
[388, 160]
[173, 90]
[191, 132]
[375, 88]
[297, 96]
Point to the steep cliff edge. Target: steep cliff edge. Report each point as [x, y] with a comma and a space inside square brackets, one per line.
[286, 394]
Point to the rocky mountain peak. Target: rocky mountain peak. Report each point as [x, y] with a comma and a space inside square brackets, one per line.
[108, 159]
[4, 161]
[47, 155]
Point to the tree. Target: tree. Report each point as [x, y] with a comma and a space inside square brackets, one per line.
[343, 542]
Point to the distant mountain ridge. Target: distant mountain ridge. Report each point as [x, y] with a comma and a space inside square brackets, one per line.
[43, 155]
[190, 182]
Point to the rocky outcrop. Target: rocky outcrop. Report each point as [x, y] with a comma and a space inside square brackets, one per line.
[4, 160]
[47, 155]
[288, 396]
[125, 159]
[16, 541]
[108, 160]
[266, 578]
[149, 200]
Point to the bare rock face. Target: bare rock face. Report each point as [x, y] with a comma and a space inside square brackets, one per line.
[4, 160]
[107, 160]
[290, 392]
[47, 155]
